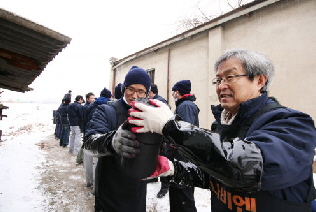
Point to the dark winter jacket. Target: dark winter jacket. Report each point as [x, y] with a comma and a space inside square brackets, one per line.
[269, 170]
[75, 114]
[116, 192]
[84, 115]
[187, 110]
[99, 101]
[63, 113]
[160, 98]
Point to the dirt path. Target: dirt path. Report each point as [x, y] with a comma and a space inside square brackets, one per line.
[63, 181]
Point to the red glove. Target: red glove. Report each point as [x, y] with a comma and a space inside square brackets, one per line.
[148, 118]
[164, 168]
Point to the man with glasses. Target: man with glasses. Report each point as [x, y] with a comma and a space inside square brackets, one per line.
[260, 160]
[115, 191]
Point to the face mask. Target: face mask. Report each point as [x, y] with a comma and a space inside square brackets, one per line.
[175, 97]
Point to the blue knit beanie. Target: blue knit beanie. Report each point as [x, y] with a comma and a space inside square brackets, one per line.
[137, 75]
[118, 91]
[183, 86]
[106, 93]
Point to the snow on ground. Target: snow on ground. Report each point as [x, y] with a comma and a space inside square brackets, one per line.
[20, 159]
[24, 163]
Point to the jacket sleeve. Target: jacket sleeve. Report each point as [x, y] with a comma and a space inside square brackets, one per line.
[100, 131]
[188, 112]
[287, 142]
[237, 163]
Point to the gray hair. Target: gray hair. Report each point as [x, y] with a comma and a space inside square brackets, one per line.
[255, 64]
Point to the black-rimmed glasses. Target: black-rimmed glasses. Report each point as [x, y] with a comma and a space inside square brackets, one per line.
[227, 79]
[131, 91]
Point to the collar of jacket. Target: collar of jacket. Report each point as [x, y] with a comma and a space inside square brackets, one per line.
[101, 100]
[246, 109]
[124, 103]
[186, 97]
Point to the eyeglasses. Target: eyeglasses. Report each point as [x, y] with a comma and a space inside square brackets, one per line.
[227, 79]
[130, 91]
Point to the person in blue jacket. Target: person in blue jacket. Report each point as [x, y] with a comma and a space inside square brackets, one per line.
[118, 91]
[115, 190]
[181, 197]
[185, 106]
[89, 160]
[65, 131]
[90, 98]
[153, 94]
[75, 122]
[260, 160]
[105, 97]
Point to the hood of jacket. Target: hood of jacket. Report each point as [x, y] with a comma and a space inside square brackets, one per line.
[101, 100]
[186, 97]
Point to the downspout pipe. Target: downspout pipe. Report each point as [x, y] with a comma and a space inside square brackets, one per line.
[168, 75]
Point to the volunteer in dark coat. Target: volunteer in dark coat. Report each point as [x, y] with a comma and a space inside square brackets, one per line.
[65, 131]
[118, 91]
[115, 191]
[262, 158]
[185, 106]
[105, 97]
[181, 197]
[90, 98]
[75, 121]
[153, 94]
[89, 160]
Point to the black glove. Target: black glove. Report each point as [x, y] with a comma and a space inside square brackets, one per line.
[124, 143]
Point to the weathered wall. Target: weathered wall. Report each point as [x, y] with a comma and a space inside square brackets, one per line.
[285, 31]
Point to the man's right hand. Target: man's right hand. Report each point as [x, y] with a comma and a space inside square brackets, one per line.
[124, 143]
[148, 118]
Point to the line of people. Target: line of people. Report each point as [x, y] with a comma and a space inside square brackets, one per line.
[259, 159]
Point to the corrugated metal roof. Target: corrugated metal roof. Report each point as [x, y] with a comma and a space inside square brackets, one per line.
[25, 50]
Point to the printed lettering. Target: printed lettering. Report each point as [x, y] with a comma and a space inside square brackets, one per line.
[223, 195]
[234, 201]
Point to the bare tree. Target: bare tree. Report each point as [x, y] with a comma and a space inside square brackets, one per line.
[204, 14]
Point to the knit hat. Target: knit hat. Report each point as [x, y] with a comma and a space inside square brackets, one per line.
[137, 75]
[118, 91]
[183, 86]
[106, 93]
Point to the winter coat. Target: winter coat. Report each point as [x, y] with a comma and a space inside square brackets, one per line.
[63, 113]
[116, 191]
[75, 114]
[99, 101]
[160, 98]
[84, 115]
[187, 110]
[269, 170]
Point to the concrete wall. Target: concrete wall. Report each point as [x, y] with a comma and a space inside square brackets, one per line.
[285, 31]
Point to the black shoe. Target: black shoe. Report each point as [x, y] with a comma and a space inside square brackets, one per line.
[162, 193]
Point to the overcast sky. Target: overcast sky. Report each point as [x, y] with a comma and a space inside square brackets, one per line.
[99, 29]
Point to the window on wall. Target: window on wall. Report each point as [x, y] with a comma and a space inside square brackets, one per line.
[151, 73]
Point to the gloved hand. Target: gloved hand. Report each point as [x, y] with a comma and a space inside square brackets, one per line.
[124, 143]
[164, 168]
[148, 118]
